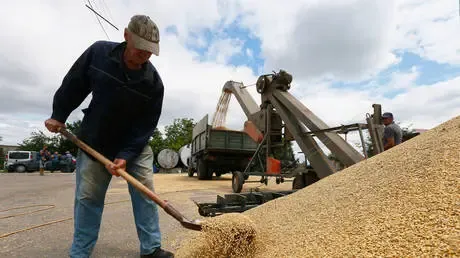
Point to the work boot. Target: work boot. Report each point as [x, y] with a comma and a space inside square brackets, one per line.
[159, 253]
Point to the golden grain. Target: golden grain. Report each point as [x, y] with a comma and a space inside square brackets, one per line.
[404, 202]
[229, 235]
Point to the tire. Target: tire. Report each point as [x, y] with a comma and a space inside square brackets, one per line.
[304, 180]
[66, 169]
[237, 181]
[203, 171]
[298, 182]
[190, 172]
[310, 178]
[20, 169]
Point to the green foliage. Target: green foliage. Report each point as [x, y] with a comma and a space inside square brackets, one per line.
[63, 144]
[286, 153]
[55, 143]
[157, 142]
[36, 142]
[179, 133]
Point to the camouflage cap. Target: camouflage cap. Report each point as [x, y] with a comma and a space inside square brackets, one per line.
[145, 34]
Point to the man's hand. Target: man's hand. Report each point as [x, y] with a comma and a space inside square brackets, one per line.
[53, 125]
[119, 163]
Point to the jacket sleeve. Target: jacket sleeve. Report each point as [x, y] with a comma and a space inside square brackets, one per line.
[74, 88]
[144, 129]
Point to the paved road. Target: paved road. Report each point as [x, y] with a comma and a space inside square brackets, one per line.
[117, 237]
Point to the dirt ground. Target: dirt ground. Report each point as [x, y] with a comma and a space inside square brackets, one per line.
[54, 192]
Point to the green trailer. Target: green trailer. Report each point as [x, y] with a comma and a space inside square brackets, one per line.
[217, 151]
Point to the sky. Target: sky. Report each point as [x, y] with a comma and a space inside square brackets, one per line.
[344, 56]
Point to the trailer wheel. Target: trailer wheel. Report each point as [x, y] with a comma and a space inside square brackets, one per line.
[190, 172]
[237, 181]
[203, 172]
[310, 178]
[304, 180]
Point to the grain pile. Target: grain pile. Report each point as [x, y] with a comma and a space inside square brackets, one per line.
[230, 235]
[404, 202]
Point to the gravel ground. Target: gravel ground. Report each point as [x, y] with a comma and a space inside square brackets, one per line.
[117, 237]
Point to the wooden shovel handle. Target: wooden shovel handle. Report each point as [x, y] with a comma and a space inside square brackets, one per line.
[133, 181]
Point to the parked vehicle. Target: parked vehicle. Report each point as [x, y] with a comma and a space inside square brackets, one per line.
[65, 165]
[218, 151]
[22, 161]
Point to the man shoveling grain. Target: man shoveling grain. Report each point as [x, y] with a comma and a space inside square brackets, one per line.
[127, 97]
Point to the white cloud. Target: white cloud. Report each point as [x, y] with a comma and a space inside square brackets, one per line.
[221, 50]
[352, 39]
[404, 80]
[422, 106]
[345, 40]
[398, 82]
[430, 29]
[42, 52]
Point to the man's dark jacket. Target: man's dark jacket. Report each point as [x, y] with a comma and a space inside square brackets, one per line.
[123, 112]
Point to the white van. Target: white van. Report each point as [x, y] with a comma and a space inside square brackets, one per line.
[22, 161]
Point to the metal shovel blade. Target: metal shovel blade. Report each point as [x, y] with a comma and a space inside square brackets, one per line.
[193, 225]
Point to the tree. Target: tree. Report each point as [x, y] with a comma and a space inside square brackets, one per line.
[55, 143]
[284, 153]
[157, 142]
[36, 142]
[179, 133]
[63, 144]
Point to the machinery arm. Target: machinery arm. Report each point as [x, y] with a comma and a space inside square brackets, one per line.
[250, 108]
[298, 118]
[243, 96]
[336, 144]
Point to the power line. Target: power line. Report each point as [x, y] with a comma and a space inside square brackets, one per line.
[102, 17]
[95, 4]
[97, 17]
[107, 9]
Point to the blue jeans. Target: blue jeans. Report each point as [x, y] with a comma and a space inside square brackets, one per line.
[92, 181]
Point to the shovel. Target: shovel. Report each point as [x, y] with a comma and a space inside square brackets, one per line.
[168, 208]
